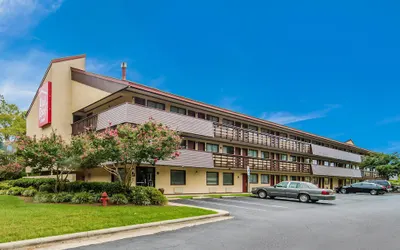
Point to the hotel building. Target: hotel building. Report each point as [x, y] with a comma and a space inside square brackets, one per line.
[218, 145]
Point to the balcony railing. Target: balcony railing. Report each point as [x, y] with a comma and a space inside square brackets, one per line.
[369, 174]
[250, 136]
[87, 123]
[222, 160]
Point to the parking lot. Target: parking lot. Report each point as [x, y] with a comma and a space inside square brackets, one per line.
[353, 221]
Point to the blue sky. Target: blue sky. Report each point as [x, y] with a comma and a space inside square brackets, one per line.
[327, 67]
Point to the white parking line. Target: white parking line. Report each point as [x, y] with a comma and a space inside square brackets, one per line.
[229, 205]
[255, 203]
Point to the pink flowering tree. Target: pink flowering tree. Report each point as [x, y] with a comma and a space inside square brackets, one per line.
[127, 147]
[9, 166]
[49, 153]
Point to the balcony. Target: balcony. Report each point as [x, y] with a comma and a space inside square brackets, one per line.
[233, 133]
[335, 171]
[241, 162]
[137, 114]
[369, 174]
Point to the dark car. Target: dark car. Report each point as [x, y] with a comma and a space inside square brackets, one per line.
[363, 187]
[384, 183]
[304, 191]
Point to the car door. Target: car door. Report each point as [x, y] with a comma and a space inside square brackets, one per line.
[279, 189]
[292, 190]
[355, 188]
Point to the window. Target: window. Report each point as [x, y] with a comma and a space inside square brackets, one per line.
[314, 162]
[283, 157]
[253, 153]
[212, 148]
[178, 110]
[228, 178]
[253, 178]
[228, 122]
[245, 126]
[284, 178]
[155, 105]
[191, 113]
[326, 163]
[294, 185]
[307, 179]
[140, 101]
[264, 179]
[293, 158]
[183, 144]
[264, 155]
[293, 178]
[332, 164]
[212, 178]
[191, 145]
[178, 177]
[307, 160]
[212, 118]
[228, 150]
[282, 184]
[251, 127]
[201, 115]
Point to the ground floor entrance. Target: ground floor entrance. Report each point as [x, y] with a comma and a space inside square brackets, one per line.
[145, 176]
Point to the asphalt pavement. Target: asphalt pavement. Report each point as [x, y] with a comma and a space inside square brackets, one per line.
[352, 222]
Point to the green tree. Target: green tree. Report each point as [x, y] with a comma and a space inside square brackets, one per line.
[9, 166]
[387, 165]
[119, 151]
[49, 153]
[12, 121]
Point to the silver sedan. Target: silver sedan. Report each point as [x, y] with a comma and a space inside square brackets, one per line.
[304, 191]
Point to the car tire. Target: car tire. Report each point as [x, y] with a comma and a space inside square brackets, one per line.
[304, 198]
[314, 201]
[262, 194]
[343, 191]
[373, 192]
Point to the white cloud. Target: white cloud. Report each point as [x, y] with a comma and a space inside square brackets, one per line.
[18, 16]
[287, 117]
[21, 76]
[390, 120]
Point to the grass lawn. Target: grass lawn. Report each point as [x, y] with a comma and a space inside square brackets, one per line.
[20, 220]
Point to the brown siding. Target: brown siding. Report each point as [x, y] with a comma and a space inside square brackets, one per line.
[130, 113]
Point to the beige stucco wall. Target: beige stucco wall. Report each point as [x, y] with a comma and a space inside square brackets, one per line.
[83, 95]
[97, 174]
[60, 76]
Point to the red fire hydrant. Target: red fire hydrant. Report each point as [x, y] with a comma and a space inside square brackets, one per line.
[104, 199]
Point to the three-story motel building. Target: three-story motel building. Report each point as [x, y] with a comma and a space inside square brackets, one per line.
[218, 145]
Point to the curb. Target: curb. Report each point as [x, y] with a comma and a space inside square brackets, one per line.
[57, 238]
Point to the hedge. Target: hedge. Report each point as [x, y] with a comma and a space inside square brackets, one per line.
[34, 182]
[95, 187]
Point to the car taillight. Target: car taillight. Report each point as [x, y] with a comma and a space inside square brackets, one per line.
[324, 192]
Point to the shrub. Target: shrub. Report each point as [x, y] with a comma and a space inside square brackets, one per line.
[3, 191]
[4, 185]
[36, 183]
[119, 199]
[62, 197]
[43, 197]
[82, 197]
[29, 192]
[139, 196]
[95, 187]
[162, 190]
[15, 191]
[46, 188]
[156, 197]
[96, 197]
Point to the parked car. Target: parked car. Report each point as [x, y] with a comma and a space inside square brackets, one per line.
[384, 183]
[364, 187]
[304, 191]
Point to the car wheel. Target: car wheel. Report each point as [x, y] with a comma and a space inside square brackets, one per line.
[314, 201]
[373, 192]
[262, 194]
[304, 198]
[343, 191]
